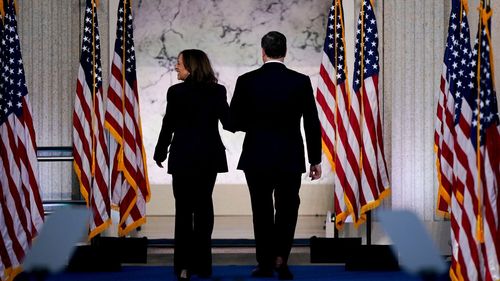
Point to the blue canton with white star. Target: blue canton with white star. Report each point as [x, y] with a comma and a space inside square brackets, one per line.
[486, 112]
[91, 55]
[334, 42]
[365, 60]
[12, 83]
[125, 19]
[458, 57]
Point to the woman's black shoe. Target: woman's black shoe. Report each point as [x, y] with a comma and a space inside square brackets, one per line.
[261, 272]
[284, 273]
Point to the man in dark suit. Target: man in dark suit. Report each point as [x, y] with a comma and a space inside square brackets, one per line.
[268, 105]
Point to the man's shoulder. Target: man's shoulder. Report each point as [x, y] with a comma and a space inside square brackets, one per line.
[250, 74]
[290, 73]
[264, 70]
[297, 74]
[283, 72]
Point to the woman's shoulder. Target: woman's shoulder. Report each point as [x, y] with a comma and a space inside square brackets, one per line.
[219, 87]
[220, 90]
[212, 87]
[175, 91]
[177, 87]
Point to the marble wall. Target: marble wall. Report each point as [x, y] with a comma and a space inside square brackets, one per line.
[229, 32]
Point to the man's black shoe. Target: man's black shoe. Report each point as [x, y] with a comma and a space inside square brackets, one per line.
[261, 272]
[204, 274]
[284, 273]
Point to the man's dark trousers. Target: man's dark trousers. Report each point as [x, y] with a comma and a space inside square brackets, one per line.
[274, 233]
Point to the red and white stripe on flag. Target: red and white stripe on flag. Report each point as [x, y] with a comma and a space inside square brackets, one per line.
[90, 149]
[129, 179]
[21, 208]
[444, 131]
[443, 142]
[374, 181]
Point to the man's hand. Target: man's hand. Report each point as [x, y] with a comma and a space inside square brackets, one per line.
[315, 172]
[158, 163]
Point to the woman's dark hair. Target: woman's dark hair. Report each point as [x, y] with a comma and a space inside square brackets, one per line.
[274, 44]
[198, 65]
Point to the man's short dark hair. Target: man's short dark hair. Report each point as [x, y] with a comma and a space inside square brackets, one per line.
[274, 44]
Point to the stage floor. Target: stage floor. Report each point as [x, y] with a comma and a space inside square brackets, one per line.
[241, 227]
[227, 227]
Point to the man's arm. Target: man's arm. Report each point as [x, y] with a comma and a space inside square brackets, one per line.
[312, 129]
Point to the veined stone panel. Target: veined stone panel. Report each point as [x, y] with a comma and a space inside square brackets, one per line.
[229, 32]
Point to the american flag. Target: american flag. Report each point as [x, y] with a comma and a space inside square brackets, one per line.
[333, 98]
[21, 208]
[90, 150]
[374, 182]
[129, 177]
[451, 141]
[452, 88]
[480, 197]
[469, 191]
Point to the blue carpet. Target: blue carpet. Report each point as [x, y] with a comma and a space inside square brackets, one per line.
[234, 273]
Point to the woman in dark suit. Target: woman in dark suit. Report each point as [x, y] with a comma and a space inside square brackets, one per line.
[191, 129]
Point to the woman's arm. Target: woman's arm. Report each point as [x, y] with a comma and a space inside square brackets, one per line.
[166, 132]
[223, 109]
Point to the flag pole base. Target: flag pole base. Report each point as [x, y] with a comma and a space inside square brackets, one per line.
[108, 254]
[372, 258]
[332, 250]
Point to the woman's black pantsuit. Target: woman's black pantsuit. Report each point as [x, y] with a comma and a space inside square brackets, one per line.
[191, 129]
[194, 221]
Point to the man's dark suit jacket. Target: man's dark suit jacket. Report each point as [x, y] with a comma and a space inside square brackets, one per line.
[268, 104]
[192, 117]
